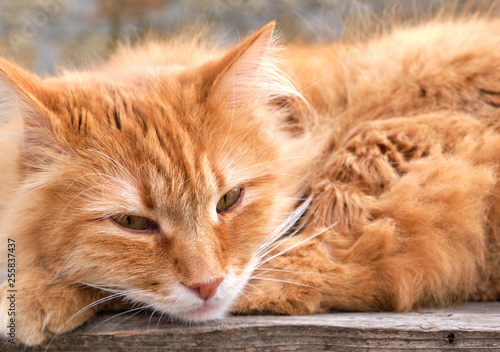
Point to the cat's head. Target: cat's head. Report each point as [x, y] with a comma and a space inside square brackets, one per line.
[162, 183]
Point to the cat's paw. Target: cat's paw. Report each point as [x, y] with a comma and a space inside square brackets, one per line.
[40, 307]
[22, 316]
[287, 284]
[279, 299]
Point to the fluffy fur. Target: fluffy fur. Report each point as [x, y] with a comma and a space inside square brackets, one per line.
[369, 183]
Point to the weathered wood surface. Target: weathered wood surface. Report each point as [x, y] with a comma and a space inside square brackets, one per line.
[466, 327]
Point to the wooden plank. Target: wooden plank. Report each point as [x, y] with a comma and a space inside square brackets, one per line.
[472, 327]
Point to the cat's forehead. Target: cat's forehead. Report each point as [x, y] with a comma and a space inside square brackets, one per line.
[180, 149]
[99, 93]
[154, 133]
[163, 107]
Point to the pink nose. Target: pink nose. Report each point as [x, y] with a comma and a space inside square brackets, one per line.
[206, 290]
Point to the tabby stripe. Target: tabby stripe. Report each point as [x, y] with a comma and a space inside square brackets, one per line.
[117, 119]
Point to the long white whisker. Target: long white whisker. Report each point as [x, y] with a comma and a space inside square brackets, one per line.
[286, 225]
[313, 84]
[255, 287]
[139, 309]
[102, 300]
[136, 310]
[91, 305]
[100, 287]
[272, 246]
[151, 317]
[287, 271]
[256, 306]
[284, 281]
[298, 244]
[158, 322]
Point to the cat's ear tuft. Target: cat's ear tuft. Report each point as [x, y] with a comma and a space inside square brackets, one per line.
[250, 72]
[22, 111]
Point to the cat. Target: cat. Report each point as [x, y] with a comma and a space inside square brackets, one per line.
[202, 181]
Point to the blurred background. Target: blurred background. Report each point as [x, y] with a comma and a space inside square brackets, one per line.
[42, 34]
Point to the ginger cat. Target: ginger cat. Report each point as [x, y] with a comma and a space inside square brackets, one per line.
[199, 182]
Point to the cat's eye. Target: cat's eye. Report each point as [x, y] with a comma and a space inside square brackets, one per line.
[136, 223]
[228, 200]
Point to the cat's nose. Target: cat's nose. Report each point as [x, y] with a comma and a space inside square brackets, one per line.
[206, 290]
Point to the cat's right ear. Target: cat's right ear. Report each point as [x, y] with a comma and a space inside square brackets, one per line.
[23, 109]
[250, 74]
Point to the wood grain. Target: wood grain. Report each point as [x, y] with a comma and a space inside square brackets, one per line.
[466, 327]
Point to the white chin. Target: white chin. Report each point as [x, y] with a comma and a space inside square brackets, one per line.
[206, 312]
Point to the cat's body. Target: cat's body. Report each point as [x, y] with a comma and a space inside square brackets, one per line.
[392, 145]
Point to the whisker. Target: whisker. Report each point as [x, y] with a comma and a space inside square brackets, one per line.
[93, 151]
[285, 225]
[67, 205]
[91, 305]
[272, 246]
[136, 310]
[151, 317]
[99, 301]
[90, 174]
[298, 244]
[144, 163]
[131, 315]
[158, 322]
[255, 304]
[100, 287]
[315, 83]
[288, 271]
[283, 281]
[255, 287]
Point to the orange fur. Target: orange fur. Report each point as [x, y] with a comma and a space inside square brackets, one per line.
[392, 144]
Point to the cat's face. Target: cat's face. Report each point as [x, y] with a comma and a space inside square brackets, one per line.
[164, 186]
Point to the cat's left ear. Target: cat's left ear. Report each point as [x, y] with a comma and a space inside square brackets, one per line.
[23, 103]
[250, 72]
